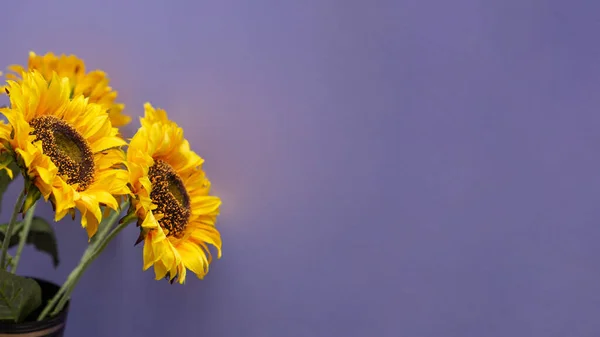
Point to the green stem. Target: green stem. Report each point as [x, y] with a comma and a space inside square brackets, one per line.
[56, 297]
[23, 238]
[99, 242]
[104, 227]
[59, 294]
[85, 264]
[9, 229]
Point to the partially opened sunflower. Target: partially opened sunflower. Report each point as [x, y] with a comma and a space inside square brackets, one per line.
[172, 202]
[94, 84]
[67, 147]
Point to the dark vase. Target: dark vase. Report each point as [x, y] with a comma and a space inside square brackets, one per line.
[49, 327]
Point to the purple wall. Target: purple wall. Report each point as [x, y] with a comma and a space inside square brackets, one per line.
[388, 168]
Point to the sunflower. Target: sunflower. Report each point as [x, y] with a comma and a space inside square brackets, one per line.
[94, 85]
[175, 212]
[66, 147]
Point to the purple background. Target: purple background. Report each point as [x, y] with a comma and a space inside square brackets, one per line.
[388, 168]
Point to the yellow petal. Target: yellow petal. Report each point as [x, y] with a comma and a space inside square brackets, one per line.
[107, 143]
[160, 270]
[150, 222]
[194, 259]
[208, 234]
[89, 203]
[104, 197]
[205, 204]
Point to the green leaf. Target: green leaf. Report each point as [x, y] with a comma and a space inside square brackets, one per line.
[14, 239]
[19, 296]
[41, 236]
[6, 162]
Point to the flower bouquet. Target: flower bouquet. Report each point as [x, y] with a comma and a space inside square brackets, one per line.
[61, 134]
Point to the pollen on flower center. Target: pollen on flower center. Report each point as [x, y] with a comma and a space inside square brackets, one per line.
[67, 149]
[171, 198]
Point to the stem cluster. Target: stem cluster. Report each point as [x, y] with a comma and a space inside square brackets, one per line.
[107, 232]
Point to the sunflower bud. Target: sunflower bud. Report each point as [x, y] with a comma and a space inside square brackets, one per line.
[33, 195]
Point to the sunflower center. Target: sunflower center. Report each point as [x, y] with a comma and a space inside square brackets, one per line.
[67, 149]
[171, 198]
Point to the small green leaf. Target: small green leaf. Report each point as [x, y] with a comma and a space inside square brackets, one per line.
[19, 296]
[41, 236]
[6, 163]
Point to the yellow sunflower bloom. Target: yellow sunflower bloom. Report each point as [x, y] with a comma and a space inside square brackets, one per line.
[175, 211]
[94, 85]
[67, 147]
